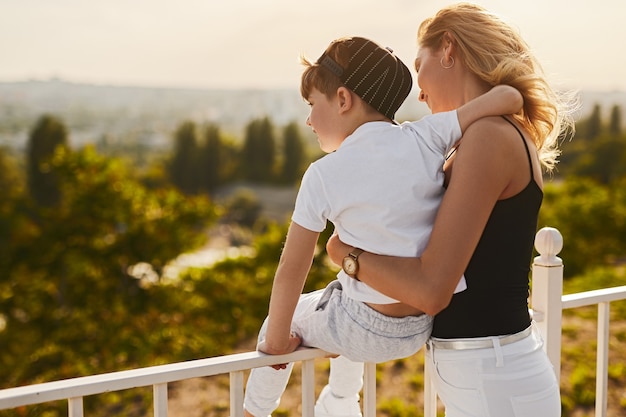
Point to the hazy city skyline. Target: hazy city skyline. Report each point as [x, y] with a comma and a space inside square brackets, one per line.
[256, 44]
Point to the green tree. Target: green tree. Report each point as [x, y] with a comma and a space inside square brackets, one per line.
[230, 159]
[218, 160]
[615, 121]
[249, 278]
[76, 285]
[183, 166]
[592, 219]
[11, 178]
[259, 151]
[294, 155]
[243, 208]
[594, 123]
[48, 134]
[210, 159]
[602, 159]
[15, 225]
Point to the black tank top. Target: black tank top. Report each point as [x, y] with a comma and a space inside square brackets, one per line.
[496, 299]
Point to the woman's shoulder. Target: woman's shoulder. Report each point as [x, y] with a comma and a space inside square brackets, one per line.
[494, 145]
[496, 124]
[494, 131]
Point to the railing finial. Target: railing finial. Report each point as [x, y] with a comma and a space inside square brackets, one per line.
[548, 242]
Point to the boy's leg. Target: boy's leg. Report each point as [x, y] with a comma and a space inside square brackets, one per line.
[340, 398]
[264, 389]
[266, 385]
[346, 377]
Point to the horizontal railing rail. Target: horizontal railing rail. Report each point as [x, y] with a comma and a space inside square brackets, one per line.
[159, 376]
[602, 298]
[589, 298]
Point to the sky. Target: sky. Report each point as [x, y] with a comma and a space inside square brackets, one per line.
[257, 43]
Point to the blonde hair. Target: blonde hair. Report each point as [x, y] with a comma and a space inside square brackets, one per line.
[492, 50]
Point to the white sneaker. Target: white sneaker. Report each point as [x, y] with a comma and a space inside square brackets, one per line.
[328, 405]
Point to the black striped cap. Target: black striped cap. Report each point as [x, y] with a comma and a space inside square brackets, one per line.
[373, 73]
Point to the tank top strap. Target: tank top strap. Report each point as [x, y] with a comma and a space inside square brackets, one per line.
[530, 162]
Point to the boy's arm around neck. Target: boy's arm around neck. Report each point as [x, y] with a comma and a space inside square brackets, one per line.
[500, 100]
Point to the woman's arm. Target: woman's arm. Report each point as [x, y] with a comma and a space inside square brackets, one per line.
[482, 172]
[293, 268]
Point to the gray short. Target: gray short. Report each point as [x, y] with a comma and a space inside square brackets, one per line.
[329, 320]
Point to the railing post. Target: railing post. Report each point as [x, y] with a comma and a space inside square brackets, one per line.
[547, 290]
[236, 393]
[159, 392]
[602, 361]
[75, 407]
[369, 390]
[308, 388]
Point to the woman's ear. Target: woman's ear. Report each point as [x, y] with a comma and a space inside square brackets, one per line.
[448, 45]
[344, 99]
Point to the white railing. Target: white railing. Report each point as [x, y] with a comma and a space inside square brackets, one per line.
[73, 390]
[547, 305]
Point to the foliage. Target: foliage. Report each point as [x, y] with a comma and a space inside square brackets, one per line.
[243, 208]
[596, 278]
[594, 123]
[11, 205]
[12, 181]
[230, 159]
[615, 121]
[211, 159]
[597, 151]
[239, 289]
[294, 156]
[603, 159]
[592, 219]
[201, 163]
[68, 303]
[396, 407]
[204, 163]
[259, 151]
[184, 162]
[48, 134]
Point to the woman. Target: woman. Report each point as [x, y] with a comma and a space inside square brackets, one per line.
[487, 359]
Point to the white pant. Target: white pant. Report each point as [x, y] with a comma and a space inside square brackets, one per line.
[514, 380]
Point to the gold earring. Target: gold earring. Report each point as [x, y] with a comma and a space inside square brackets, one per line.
[451, 63]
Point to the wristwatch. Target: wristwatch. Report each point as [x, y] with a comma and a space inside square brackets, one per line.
[350, 263]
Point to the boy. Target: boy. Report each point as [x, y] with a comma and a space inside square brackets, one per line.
[381, 185]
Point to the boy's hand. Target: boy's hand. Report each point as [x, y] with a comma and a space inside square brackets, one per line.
[293, 343]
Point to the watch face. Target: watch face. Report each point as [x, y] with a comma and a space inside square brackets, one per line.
[349, 265]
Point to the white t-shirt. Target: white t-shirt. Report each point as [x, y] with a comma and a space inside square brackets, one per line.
[381, 189]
